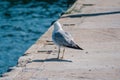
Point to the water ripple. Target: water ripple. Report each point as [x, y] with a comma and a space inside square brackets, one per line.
[22, 22]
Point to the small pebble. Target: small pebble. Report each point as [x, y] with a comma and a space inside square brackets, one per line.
[89, 69]
[86, 52]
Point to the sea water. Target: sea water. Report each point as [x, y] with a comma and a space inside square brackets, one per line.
[22, 22]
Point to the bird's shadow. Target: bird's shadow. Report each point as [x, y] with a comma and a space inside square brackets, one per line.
[51, 60]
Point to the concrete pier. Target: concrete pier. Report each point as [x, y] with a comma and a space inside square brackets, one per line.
[95, 26]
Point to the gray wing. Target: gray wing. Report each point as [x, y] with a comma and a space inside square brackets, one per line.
[63, 38]
[69, 35]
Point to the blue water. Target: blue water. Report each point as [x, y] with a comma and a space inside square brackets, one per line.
[22, 22]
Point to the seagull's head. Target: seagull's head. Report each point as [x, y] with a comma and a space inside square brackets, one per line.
[57, 25]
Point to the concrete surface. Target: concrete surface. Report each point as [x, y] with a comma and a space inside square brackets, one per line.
[95, 26]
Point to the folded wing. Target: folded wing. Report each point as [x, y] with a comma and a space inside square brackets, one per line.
[62, 38]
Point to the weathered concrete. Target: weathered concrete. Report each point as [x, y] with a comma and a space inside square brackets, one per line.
[95, 26]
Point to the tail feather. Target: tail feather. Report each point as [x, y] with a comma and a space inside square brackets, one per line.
[75, 47]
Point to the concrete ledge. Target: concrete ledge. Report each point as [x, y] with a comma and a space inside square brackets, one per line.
[98, 34]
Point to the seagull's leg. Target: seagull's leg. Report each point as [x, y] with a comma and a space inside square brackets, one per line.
[63, 53]
[58, 52]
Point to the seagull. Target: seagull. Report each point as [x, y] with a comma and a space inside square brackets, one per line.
[63, 39]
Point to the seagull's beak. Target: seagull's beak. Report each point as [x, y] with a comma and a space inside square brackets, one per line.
[53, 22]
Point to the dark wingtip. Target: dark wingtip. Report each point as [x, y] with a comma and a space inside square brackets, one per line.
[77, 47]
[81, 48]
